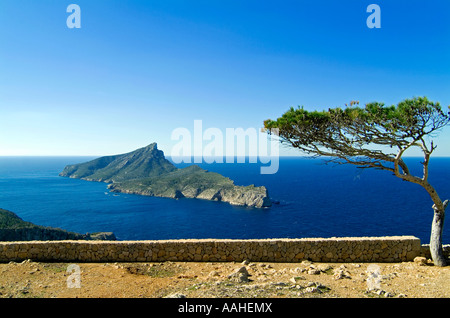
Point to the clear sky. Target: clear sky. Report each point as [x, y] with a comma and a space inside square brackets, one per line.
[137, 70]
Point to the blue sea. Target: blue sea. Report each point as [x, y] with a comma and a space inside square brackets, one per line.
[313, 200]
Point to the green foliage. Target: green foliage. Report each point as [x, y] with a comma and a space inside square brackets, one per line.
[9, 220]
[350, 131]
[13, 228]
[191, 178]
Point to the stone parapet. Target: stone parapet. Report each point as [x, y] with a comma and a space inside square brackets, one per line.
[345, 249]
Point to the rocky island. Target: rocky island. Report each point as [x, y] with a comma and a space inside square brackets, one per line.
[146, 171]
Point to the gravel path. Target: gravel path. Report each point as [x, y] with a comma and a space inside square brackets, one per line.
[224, 280]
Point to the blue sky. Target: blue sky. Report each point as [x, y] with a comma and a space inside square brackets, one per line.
[137, 70]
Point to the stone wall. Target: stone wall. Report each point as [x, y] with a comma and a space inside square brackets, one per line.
[353, 249]
[425, 251]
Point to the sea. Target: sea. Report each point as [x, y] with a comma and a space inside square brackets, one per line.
[311, 200]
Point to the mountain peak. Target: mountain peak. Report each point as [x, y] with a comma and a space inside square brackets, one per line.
[144, 162]
[153, 145]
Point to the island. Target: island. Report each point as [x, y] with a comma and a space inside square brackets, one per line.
[146, 171]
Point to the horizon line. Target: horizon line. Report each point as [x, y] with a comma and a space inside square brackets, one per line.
[193, 157]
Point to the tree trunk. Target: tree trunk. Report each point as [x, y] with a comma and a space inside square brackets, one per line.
[437, 227]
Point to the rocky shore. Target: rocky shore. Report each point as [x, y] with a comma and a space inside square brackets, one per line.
[249, 196]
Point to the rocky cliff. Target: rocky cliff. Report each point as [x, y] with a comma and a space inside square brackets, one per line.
[145, 171]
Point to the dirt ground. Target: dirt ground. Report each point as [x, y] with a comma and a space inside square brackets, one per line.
[30, 279]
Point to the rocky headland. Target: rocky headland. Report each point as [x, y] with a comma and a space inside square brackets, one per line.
[146, 171]
[13, 228]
